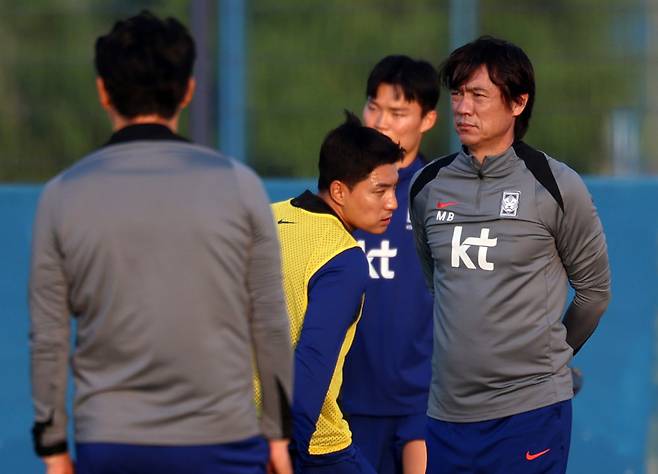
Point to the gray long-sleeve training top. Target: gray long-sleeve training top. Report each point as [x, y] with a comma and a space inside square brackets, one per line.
[167, 256]
[499, 243]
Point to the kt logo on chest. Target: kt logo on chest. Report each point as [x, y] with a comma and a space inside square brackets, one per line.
[460, 249]
[384, 253]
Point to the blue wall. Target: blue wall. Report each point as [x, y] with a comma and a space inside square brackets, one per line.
[612, 415]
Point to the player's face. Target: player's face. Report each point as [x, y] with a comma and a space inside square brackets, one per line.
[482, 118]
[370, 203]
[400, 120]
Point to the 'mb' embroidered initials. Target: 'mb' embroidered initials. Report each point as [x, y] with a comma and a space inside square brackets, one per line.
[445, 216]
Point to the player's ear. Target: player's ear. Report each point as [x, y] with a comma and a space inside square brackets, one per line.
[428, 121]
[338, 191]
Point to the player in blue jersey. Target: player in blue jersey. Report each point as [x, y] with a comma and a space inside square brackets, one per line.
[393, 346]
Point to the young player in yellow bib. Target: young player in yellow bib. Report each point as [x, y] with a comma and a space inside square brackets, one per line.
[325, 274]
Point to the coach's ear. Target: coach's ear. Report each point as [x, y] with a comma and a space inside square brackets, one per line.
[518, 104]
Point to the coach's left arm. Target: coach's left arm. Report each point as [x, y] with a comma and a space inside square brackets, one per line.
[582, 247]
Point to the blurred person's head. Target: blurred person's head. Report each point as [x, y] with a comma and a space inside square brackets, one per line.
[144, 68]
[358, 174]
[492, 86]
[402, 94]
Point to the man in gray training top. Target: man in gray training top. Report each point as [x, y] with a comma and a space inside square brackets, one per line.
[167, 256]
[501, 230]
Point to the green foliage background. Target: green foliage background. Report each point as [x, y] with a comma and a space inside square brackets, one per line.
[308, 60]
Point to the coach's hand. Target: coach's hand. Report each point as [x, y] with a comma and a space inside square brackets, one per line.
[58, 464]
[279, 457]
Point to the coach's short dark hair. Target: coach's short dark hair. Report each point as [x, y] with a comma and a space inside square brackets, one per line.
[508, 66]
[417, 79]
[146, 63]
[350, 152]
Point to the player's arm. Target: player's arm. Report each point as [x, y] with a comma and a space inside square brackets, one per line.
[582, 247]
[269, 320]
[49, 331]
[335, 295]
[416, 216]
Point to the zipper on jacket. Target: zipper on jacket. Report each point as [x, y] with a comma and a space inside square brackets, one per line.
[478, 168]
[479, 190]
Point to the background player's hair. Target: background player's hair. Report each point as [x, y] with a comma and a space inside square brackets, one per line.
[351, 151]
[417, 79]
[509, 68]
[146, 63]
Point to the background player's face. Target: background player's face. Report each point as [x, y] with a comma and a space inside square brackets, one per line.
[390, 113]
[482, 118]
[370, 203]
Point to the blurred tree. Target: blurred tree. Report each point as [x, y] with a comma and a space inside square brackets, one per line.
[583, 71]
[308, 60]
[50, 116]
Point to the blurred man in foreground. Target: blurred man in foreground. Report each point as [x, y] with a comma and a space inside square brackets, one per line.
[166, 255]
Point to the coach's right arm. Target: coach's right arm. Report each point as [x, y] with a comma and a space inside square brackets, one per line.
[417, 203]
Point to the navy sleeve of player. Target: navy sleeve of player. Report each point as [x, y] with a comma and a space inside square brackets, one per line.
[334, 300]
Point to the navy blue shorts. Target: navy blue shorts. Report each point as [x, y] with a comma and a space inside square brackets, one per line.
[532, 442]
[346, 461]
[243, 457]
[382, 438]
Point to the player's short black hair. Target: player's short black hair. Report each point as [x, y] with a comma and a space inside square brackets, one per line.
[508, 66]
[417, 79]
[146, 63]
[350, 152]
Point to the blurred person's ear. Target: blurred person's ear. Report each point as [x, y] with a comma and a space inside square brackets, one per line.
[189, 93]
[103, 96]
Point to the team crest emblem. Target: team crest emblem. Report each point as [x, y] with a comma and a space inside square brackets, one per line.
[509, 205]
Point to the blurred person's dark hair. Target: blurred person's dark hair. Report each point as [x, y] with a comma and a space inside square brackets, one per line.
[416, 79]
[351, 151]
[145, 64]
[508, 66]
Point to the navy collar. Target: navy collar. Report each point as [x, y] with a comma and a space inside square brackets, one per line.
[408, 171]
[313, 203]
[144, 131]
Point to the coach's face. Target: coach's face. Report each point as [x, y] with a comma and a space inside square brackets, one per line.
[482, 117]
[369, 204]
